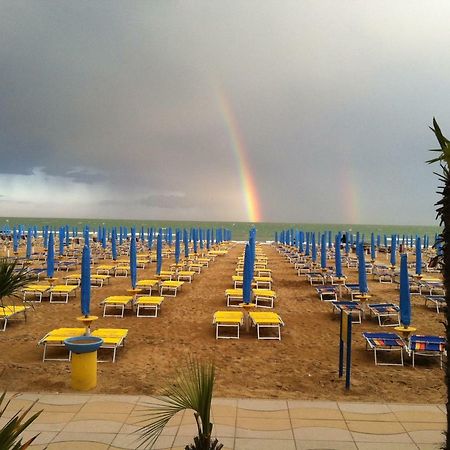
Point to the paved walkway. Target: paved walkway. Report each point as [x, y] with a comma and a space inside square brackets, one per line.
[78, 421]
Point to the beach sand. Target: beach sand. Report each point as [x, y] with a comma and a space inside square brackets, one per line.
[303, 365]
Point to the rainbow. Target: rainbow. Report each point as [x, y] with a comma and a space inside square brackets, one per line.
[251, 198]
[350, 189]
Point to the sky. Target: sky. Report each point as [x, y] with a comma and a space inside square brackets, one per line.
[276, 111]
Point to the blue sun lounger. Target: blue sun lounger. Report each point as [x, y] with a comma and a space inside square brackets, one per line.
[438, 300]
[385, 342]
[327, 293]
[353, 308]
[427, 346]
[385, 312]
[352, 289]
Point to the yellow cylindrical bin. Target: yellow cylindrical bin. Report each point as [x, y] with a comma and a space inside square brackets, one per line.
[84, 371]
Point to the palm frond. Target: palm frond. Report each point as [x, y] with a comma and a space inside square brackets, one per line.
[193, 390]
[12, 278]
[443, 142]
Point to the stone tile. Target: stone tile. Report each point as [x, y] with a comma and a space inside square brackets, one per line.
[443, 408]
[45, 437]
[224, 420]
[315, 413]
[224, 410]
[38, 447]
[39, 427]
[263, 424]
[130, 441]
[93, 426]
[325, 445]
[133, 399]
[386, 446]
[32, 396]
[77, 445]
[427, 437]
[323, 433]
[167, 431]
[309, 423]
[384, 428]
[187, 430]
[104, 407]
[264, 434]
[217, 401]
[380, 438]
[420, 426]
[181, 441]
[263, 444]
[262, 405]
[224, 431]
[114, 417]
[418, 413]
[266, 415]
[63, 399]
[69, 436]
[321, 404]
[430, 446]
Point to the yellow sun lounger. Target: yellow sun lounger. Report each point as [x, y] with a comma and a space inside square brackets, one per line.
[151, 304]
[106, 269]
[228, 319]
[9, 311]
[170, 288]
[37, 290]
[166, 275]
[264, 298]
[147, 285]
[237, 281]
[234, 297]
[266, 320]
[62, 291]
[263, 282]
[185, 275]
[117, 302]
[113, 338]
[196, 267]
[121, 270]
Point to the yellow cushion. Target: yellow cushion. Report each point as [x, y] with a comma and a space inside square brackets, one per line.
[149, 300]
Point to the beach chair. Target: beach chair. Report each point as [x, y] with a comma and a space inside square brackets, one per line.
[228, 320]
[266, 320]
[327, 293]
[352, 289]
[264, 298]
[315, 278]
[147, 285]
[106, 269]
[36, 290]
[263, 272]
[263, 282]
[438, 301]
[150, 304]
[385, 342]
[113, 338]
[352, 308]
[427, 346]
[166, 275]
[234, 297]
[170, 288]
[121, 270]
[56, 338]
[433, 286]
[195, 267]
[99, 280]
[385, 312]
[185, 275]
[237, 281]
[7, 312]
[73, 279]
[117, 302]
[62, 291]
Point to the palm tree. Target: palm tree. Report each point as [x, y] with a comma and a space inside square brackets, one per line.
[443, 213]
[10, 433]
[192, 390]
[12, 279]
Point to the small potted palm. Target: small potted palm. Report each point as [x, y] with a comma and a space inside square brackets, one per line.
[193, 390]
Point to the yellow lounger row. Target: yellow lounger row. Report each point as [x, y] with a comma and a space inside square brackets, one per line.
[7, 312]
[228, 319]
[266, 320]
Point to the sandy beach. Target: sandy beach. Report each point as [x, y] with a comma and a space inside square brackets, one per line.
[302, 365]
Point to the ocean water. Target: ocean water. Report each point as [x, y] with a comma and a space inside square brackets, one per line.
[265, 231]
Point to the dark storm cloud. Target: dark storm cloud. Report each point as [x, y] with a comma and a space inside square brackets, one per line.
[114, 101]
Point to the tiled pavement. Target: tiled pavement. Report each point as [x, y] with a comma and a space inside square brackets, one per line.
[77, 421]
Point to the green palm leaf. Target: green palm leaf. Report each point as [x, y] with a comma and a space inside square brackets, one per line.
[12, 278]
[192, 389]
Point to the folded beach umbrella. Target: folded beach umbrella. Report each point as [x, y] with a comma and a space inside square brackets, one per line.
[351, 239]
[29, 243]
[378, 241]
[142, 238]
[307, 244]
[159, 244]
[133, 259]
[200, 238]
[405, 296]
[61, 241]
[418, 257]
[35, 232]
[186, 243]
[45, 235]
[300, 241]
[385, 241]
[393, 250]
[337, 256]
[177, 246]
[169, 236]
[323, 252]
[247, 279]
[208, 238]
[362, 276]
[313, 247]
[330, 240]
[104, 238]
[86, 281]
[120, 235]
[347, 242]
[86, 235]
[194, 239]
[357, 238]
[51, 256]
[114, 244]
[372, 247]
[150, 239]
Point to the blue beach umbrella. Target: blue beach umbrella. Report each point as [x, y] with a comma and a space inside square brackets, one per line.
[378, 241]
[208, 238]
[142, 235]
[177, 246]
[194, 239]
[133, 259]
[300, 242]
[29, 243]
[247, 281]
[393, 250]
[337, 256]
[186, 243]
[121, 235]
[200, 239]
[323, 252]
[362, 276]
[372, 247]
[418, 257]
[307, 244]
[159, 243]
[405, 296]
[51, 256]
[15, 240]
[385, 241]
[347, 242]
[86, 235]
[114, 244]
[330, 240]
[61, 241]
[313, 247]
[150, 239]
[104, 238]
[86, 281]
